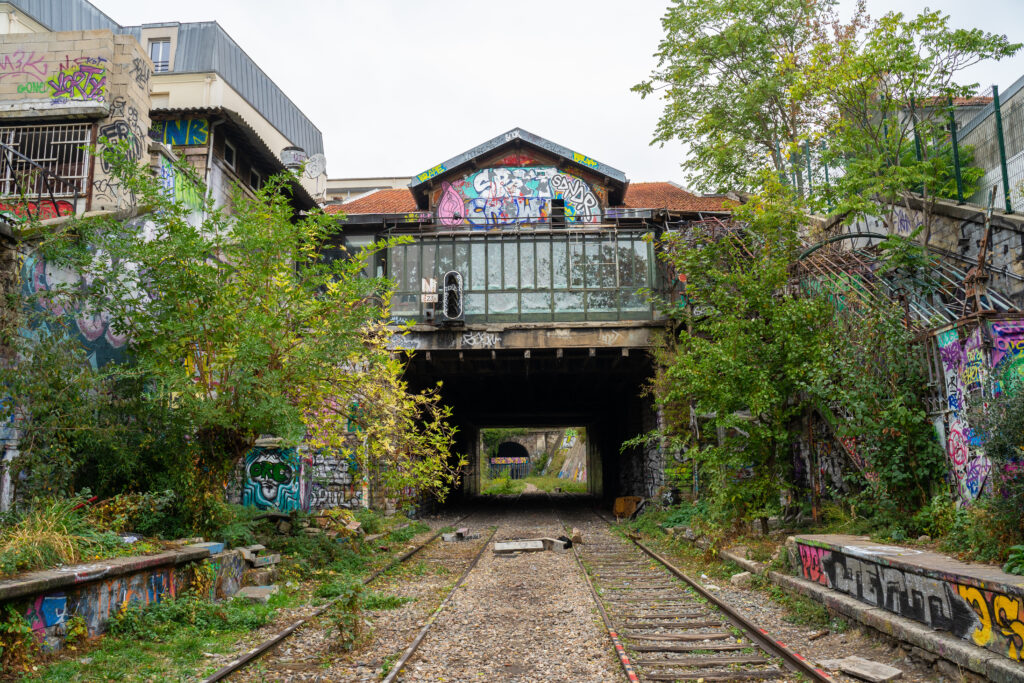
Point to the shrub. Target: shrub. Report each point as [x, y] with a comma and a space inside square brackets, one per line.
[17, 641]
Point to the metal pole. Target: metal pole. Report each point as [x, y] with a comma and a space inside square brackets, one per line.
[807, 153]
[956, 154]
[1002, 149]
[824, 156]
[913, 123]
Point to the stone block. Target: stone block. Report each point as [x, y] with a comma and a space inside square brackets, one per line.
[259, 577]
[576, 536]
[257, 593]
[266, 560]
[518, 546]
[742, 580]
[212, 546]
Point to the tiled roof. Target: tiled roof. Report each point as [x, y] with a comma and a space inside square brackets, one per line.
[638, 196]
[380, 201]
[669, 196]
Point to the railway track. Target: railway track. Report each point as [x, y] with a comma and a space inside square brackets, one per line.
[421, 551]
[667, 627]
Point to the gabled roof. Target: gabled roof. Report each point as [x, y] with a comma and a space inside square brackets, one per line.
[517, 138]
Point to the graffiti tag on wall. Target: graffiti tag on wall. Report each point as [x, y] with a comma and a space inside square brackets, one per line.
[332, 483]
[181, 132]
[989, 619]
[22, 63]
[273, 479]
[502, 196]
[80, 80]
[21, 211]
[1007, 350]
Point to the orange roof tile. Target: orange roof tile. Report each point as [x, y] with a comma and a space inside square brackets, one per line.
[669, 196]
[380, 201]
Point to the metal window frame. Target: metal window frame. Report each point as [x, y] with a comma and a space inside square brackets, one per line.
[61, 149]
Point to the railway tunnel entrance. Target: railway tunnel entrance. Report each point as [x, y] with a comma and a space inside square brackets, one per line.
[557, 385]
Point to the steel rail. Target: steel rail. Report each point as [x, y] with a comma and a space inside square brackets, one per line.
[409, 651]
[793, 660]
[613, 635]
[269, 644]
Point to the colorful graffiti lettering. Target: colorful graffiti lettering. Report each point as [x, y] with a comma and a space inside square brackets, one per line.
[181, 132]
[332, 483]
[1007, 351]
[505, 196]
[43, 210]
[584, 159]
[509, 460]
[810, 563]
[431, 173]
[273, 479]
[84, 80]
[179, 186]
[21, 63]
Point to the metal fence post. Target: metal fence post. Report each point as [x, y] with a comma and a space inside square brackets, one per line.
[956, 154]
[1002, 149]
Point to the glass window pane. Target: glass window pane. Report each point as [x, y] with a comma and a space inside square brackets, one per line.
[475, 304]
[591, 261]
[494, 265]
[602, 301]
[536, 302]
[501, 302]
[641, 250]
[631, 301]
[478, 266]
[462, 262]
[568, 302]
[543, 264]
[396, 265]
[561, 265]
[575, 264]
[606, 267]
[511, 259]
[411, 283]
[445, 259]
[429, 249]
[526, 264]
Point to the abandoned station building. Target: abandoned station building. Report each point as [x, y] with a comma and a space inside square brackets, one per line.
[524, 288]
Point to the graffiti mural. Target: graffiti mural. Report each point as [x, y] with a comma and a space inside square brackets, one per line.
[181, 132]
[504, 196]
[964, 369]
[96, 332]
[80, 80]
[273, 479]
[987, 618]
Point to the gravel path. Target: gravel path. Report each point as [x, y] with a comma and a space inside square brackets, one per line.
[524, 617]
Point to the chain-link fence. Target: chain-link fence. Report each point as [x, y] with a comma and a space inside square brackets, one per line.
[996, 135]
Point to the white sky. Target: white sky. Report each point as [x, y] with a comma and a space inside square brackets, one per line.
[397, 86]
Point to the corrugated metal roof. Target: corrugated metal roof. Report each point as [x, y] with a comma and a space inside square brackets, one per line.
[202, 47]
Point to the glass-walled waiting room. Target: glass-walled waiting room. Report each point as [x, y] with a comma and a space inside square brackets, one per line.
[509, 277]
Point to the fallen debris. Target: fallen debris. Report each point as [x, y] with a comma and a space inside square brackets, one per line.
[519, 546]
[818, 635]
[742, 580]
[625, 506]
[866, 669]
[259, 594]
[576, 536]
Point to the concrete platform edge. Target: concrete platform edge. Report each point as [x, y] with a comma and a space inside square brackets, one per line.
[961, 653]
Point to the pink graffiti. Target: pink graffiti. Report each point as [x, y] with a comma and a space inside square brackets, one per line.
[810, 563]
[22, 63]
[450, 210]
[957, 445]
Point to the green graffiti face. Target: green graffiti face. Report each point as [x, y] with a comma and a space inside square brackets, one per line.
[268, 469]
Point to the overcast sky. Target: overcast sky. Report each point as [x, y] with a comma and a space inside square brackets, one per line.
[397, 86]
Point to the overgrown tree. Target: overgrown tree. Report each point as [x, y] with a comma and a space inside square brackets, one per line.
[884, 93]
[238, 327]
[729, 72]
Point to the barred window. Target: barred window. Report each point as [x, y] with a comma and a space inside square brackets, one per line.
[60, 149]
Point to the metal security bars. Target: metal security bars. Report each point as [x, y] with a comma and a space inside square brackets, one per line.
[59, 150]
[560, 275]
